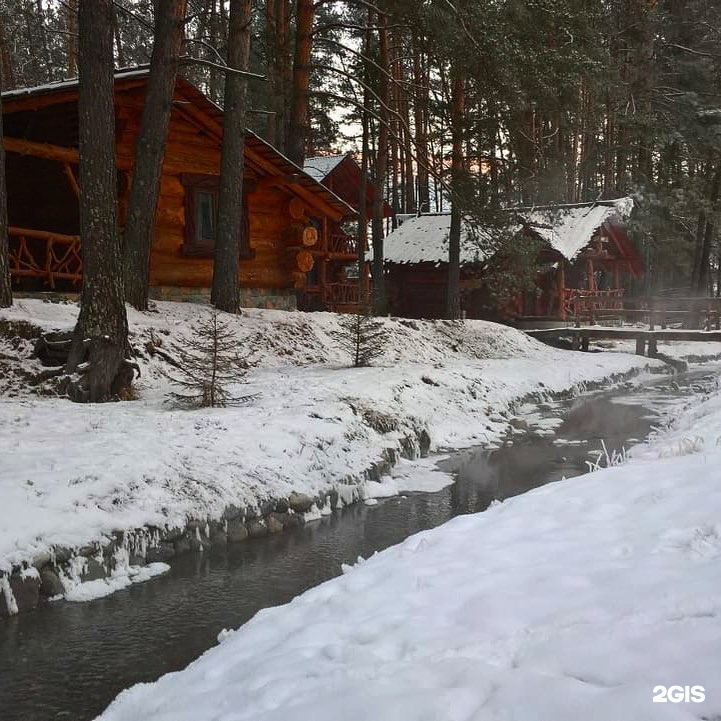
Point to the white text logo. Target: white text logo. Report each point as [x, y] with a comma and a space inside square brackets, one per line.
[678, 694]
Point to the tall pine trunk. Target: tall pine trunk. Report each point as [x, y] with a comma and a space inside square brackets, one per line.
[150, 149]
[6, 297]
[458, 99]
[71, 48]
[705, 235]
[362, 233]
[6, 65]
[299, 121]
[100, 339]
[272, 57]
[226, 283]
[379, 182]
[420, 118]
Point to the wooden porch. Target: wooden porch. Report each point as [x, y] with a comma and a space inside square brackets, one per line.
[44, 255]
[330, 288]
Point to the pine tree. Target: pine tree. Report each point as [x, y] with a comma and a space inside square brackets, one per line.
[225, 293]
[97, 358]
[150, 149]
[208, 364]
[6, 297]
[363, 337]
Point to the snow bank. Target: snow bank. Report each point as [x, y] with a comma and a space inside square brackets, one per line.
[71, 473]
[572, 601]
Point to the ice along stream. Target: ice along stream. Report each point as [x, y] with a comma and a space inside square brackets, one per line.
[69, 660]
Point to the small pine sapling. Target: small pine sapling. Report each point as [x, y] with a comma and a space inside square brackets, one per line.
[362, 337]
[207, 364]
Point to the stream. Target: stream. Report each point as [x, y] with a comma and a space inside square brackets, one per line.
[69, 660]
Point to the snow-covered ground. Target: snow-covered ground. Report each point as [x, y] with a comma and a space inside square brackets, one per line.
[73, 473]
[574, 601]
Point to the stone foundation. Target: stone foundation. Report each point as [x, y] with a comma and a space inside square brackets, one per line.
[273, 298]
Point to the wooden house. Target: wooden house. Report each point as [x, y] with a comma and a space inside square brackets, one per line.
[288, 213]
[334, 283]
[584, 251]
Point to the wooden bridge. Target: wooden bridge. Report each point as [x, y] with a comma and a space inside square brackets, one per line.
[667, 319]
[645, 339]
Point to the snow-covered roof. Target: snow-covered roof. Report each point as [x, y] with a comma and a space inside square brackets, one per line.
[140, 71]
[320, 166]
[567, 228]
[424, 239]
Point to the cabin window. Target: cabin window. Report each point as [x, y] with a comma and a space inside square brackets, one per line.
[206, 203]
[201, 218]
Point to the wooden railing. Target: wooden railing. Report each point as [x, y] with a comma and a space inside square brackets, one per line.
[584, 302]
[335, 294]
[342, 243]
[656, 311]
[45, 255]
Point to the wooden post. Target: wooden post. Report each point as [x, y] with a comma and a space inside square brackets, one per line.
[591, 276]
[664, 316]
[652, 347]
[577, 317]
[640, 346]
[652, 315]
[584, 343]
[562, 289]
[323, 266]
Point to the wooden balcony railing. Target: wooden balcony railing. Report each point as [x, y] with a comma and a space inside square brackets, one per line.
[45, 255]
[579, 302]
[335, 294]
[342, 243]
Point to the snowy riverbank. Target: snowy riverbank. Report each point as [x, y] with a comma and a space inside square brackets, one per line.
[575, 600]
[73, 474]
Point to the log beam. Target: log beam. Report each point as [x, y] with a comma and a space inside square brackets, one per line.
[47, 151]
[42, 150]
[71, 179]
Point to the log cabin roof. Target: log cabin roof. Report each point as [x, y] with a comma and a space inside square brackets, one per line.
[260, 155]
[342, 174]
[566, 229]
[320, 166]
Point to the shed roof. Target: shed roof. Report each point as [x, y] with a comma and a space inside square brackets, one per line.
[320, 167]
[567, 229]
[342, 174]
[267, 159]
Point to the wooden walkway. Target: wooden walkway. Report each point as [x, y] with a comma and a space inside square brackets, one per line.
[645, 339]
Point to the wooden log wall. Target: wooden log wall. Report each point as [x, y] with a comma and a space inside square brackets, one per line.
[192, 149]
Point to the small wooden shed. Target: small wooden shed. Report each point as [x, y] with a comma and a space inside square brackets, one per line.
[585, 250]
[288, 212]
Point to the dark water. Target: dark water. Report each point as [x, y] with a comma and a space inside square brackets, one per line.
[68, 661]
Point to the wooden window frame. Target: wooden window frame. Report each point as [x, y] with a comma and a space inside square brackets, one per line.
[194, 183]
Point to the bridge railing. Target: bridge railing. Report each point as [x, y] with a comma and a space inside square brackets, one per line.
[656, 311]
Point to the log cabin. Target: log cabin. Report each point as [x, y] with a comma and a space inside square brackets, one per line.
[335, 283]
[584, 251]
[287, 212]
